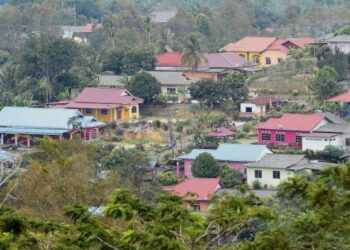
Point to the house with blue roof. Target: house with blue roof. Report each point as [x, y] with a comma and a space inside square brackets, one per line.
[234, 155]
[20, 125]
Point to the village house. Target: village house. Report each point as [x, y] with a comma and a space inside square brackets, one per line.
[78, 33]
[265, 51]
[289, 129]
[257, 106]
[20, 125]
[106, 104]
[204, 188]
[235, 155]
[273, 169]
[214, 65]
[344, 100]
[341, 43]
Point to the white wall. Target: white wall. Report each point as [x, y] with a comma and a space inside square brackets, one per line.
[343, 47]
[267, 176]
[256, 109]
[318, 144]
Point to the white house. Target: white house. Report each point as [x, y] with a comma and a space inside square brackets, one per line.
[272, 169]
[257, 106]
[341, 42]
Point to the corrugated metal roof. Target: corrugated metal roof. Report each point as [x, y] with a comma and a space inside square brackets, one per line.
[277, 161]
[29, 131]
[232, 152]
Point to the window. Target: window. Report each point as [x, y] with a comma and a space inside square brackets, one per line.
[196, 207]
[248, 110]
[245, 171]
[279, 60]
[88, 111]
[256, 59]
[298, 139]
[347, 141]
[134, 109]
[266, 137]
[104, 111]
[94, 134]
[241, 55]
[268, 60]
[276, 174]
[171, 91]
[280, 137]
[258, 174]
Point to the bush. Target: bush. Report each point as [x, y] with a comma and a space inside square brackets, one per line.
[295, 92]
[247, 127]
[257, 185]
[241, 135]
[205, 166]
[168, 179]
[333, 154]
[229, 177]
[156, 123]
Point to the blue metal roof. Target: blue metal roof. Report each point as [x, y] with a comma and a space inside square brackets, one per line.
[7, 156]
[232, 152]
[32, 131]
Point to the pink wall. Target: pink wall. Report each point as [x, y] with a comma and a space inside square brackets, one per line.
[290, 137]
[188, 164]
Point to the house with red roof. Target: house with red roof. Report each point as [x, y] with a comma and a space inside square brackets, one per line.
[202, 188]
[289, 129]
[344, 100]
[258, 106]
[106, 104]
[266, 51]
[213, 65]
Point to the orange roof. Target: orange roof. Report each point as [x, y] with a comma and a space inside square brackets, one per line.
[345, 97]
[250, 44]
[203, 187]
[292, 122]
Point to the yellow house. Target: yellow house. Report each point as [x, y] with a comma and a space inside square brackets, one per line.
[265, 51]
[107, 104]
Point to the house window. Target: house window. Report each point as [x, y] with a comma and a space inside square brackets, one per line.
[248, 110]
[279, 60]
[256, 59]
[258, 174]
[134, 109]
[347, 141]
[268, 60]
[266, 137]
[88, 111]
[196, 207]
[94, 134]
[298, 139]
[280, 137]
[276, 174]
[104, 111]
[241, 55]
[171, 91]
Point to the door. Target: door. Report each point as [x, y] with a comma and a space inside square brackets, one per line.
[119, 114]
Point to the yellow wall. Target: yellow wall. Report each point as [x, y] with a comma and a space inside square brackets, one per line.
[249, 55]
[274, 55]
[111, 115]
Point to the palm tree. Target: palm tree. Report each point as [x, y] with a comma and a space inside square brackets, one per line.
[192, 53]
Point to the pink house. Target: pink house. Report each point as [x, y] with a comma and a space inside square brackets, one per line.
[235, 155]
[288, 129]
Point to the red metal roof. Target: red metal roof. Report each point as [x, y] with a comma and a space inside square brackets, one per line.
[293, 122]
[107, 96]
[213, 60]
[345, 97]
[89, 27]
[203, 187]
[83, 105]
[250, 44]
[303, 41]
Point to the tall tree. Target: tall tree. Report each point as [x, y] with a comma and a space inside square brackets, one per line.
[145, 86]
[325, 83]
[235, 87]
[192, 54]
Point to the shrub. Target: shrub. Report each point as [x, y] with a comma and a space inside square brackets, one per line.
[241, 135]
[205, 166]
[295, 92]
[168, 179]
[165, 126]
[257, 185]
[156, 123]
[247, 127]
[229, 177]
[333, 154]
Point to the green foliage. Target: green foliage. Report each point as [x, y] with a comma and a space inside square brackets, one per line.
[325, 84]
[257, 184]
[343, 31]
[192, 52]
[235, 88]
[205, 166]
[207, 91]
[230, 177]
[333, 154]
[168, 179]
[337, 60]
[145, 86]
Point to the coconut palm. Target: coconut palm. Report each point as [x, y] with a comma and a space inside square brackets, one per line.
[192, 53]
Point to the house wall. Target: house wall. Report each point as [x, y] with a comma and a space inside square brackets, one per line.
[267, 176]
[290, 138]
[204, 206]
[249, 55]
[319, 144]
[111, 115]
[256, 109]
[343, 47]
[273, 55]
